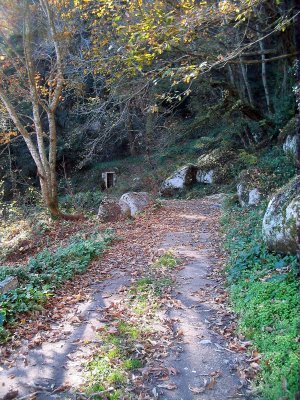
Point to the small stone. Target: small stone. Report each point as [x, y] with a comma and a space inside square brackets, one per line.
[205, 341]
[9, 283]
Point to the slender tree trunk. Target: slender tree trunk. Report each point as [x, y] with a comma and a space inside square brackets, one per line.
[230, 73]
[263, 71]
[246, 82]
[284, 79]
[130, 132]
[52, 154]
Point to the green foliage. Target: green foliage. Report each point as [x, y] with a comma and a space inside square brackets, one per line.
[84, 201]
[45, 272]
[264, 291]
[277, 167]
[182, 151]
[90, 179]
[167, 260]
[284, 104]
[21, 300]
[132, 363]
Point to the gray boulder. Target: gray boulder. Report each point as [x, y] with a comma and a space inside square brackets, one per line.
[249, 190]
[109, 210]
[254, 197]
[281, 219]
[290, 145]
[248, 197]
[215, 166]
[134, 202]
[181, 179]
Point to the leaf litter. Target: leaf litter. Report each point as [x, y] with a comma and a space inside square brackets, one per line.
[133, 255]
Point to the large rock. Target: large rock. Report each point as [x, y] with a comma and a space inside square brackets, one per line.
[254, 197]
[248, 188]
[281, 219]
[215, 167]
[290, 145]
[109, 210]
[181, 179]
[248, 197]
[134, 202]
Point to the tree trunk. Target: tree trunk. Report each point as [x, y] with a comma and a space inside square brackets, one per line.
[263, 71]
[52, 153]
[130, 132]
[246, 82]
[230, 73]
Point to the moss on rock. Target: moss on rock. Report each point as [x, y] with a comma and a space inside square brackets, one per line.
[280, 219]
[219, 161]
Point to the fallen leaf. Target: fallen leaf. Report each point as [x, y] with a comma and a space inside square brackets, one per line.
[197, 390]
[112, 331]
[168, 386]
[211, 383]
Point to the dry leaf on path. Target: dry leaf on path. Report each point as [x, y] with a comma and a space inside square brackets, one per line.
[168, 386]
[197, 390]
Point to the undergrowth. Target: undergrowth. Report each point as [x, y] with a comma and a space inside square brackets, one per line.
[45, 272]
[264, 292]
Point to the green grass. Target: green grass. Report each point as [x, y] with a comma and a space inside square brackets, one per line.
[264, 292]
[129, 332]
[113, 362]
[43, 274]
[132, 364]
[167, 260]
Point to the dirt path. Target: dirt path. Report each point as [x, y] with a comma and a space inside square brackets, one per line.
[205, 356]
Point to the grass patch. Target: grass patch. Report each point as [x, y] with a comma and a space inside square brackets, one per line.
[132, 364]
[111, 366]
[129, 336]
[45, 272]
[167, 260]
[264, 291]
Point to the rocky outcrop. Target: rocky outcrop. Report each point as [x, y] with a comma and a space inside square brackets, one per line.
[181, 179]
[248, 188]
[205, 177]
[290, 145]
[215, 167]
[134, 202]
[109, 210]
[281, 218]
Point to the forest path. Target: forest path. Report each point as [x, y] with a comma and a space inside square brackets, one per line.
[205, 359]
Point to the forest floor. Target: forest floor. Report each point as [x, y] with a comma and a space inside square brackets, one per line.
[157, 297]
